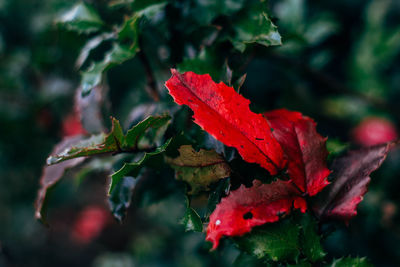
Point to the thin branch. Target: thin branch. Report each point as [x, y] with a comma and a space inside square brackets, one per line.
[151, 87]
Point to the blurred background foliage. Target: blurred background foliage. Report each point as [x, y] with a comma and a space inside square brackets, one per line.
[339, 64]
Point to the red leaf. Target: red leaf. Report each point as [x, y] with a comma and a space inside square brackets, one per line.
[246, 208]
[226, 115]
[351, 178]
[304, 149]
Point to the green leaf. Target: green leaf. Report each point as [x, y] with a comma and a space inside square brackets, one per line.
[246, 260]
[130, 31]
[199, 169]
[206, 62]
[351, 262]
[275, 241]
[133, 169]
[207, 10]
[191, 220]
[254, 26]
[302, 263]
[90, 46]
[310, 240]
[94, 74]
[82, 18]
[222, 189]
[121, 197]
[135, 134]
[114, 142]
[94, 145]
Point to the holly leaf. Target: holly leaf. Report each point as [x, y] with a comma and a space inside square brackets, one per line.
[199, 169]
[82, 18]
[310, 240]
[349, 182]
[246, 208]
[226, 115]
[133, 169]
[94, 145]
[277, 241]
[221, 190]
[113, 142]
[254, 26]
[92, 77]
[129, 31]
[353, 262]
[52, 174]
[303, 147]
[121, 197]
[90, 46]
[191, 220]
[245, 260]
[206, 62]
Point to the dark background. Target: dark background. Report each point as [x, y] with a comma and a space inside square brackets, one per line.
[339, 64]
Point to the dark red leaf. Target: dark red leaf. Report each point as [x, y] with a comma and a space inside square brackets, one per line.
[246, 208]
[351, 178]
[226, 115]
[53, 173]
[304, 149]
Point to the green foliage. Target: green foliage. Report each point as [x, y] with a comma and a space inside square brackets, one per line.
[310, 239]
[335, 61]
[113, 142]
[132, 169]
[191, 220]
[290, 240]
[353, 262]
[92, 77]
[277, 241]
[254, 26]
[82, 18]
[121, 197]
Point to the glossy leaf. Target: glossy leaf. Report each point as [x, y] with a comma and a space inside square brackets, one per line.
[226, 115]
[133, 169]
[244, 260]
[121, 197]
[349, 182]
[304, 149]
[353, 262]
[310, 239]
[92, 77]
[52, 174]
[206, 62]
[94, 145]
[90, 46]
[277, 241]
[199, 169]
[130, 31]
[246, 208]
[191, 220]
[82, 18]
[113, 142]
[221, 190]
[255, 26]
